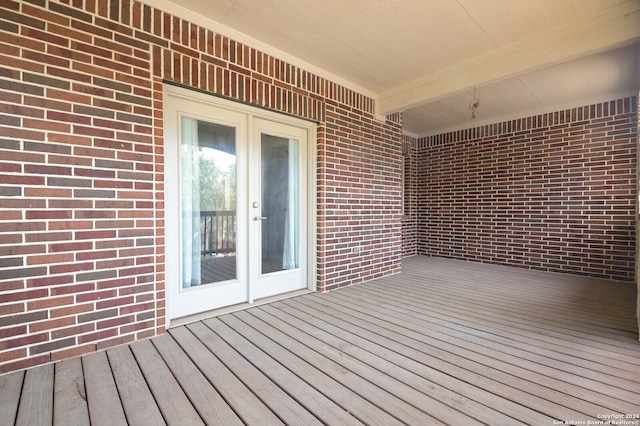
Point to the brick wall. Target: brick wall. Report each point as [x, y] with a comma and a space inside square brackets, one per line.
[637, 269]
[360, 197]
[555, 192]
[410, 217]
[81, 168]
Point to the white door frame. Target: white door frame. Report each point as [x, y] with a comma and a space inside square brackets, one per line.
[172, 251]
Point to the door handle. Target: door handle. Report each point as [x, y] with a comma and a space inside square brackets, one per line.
[257, 218]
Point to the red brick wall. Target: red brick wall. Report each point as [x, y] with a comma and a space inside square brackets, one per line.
[637, 269]
[410, 217]
[555, 192]
[360, 197]
[81, 168]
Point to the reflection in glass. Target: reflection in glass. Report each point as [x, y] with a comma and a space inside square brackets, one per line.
[208, 202]
[280, 204]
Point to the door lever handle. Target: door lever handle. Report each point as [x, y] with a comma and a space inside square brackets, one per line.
[257, 218]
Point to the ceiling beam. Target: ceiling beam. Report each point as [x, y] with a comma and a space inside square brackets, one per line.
[616, 27]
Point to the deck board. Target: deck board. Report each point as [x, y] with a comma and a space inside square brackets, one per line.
[174, 404]
[70, 400]
[586, 315]
[499, 322]
[10, 391]
[36, 401]
[234, 351]
[315, 372]
[444, 342]
[626, 390]
[204, 397]
[387, 340]
[235, 393]
[538, 350]
[384, 374]
[103, 400]
[276, 365]
[417, 342]
[493, 359]
[137, 400]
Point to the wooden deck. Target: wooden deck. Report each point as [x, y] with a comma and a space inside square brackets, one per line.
[222, 268]
[445, 342]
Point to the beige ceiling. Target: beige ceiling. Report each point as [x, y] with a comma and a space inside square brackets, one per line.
[424, 57]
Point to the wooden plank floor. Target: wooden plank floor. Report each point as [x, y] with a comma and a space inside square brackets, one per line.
[444, 342]
[215, 269]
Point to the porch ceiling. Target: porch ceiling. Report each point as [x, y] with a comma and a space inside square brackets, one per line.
[424, 57]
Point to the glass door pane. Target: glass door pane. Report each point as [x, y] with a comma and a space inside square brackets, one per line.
[280, 204]
[208, 202]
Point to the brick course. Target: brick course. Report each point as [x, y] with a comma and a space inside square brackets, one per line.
[555, 192]
[81, 168]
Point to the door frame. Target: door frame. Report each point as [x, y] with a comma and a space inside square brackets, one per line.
[171, 232]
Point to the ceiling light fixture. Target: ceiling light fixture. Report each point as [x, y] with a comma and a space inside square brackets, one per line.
[474, 104]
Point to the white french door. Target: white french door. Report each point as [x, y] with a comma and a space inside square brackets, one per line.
[278, 197]
[236, 207]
